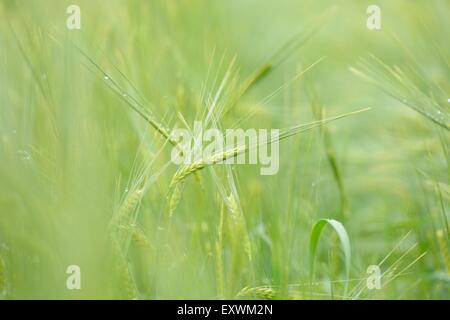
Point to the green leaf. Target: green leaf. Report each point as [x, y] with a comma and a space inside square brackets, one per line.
[343, 238]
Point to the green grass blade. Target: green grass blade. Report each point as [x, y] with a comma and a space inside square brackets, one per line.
[343, 238]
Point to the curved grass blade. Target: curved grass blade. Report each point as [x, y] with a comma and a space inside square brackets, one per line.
[343, 238]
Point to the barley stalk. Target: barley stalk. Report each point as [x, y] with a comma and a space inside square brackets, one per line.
[123, 269]
[444, 249]
[219, 257]
[2, 275]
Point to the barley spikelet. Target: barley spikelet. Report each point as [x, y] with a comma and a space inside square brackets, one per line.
[130, 203]
[232, 208]
[127, 208]
[444, 249]
[267, 293]
[222, 156]
[201, 164]
[175, 197]
[248, 247]
[137, 235]
[238, 221]
[187, 170]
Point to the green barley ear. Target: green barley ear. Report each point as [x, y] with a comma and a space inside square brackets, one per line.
[175, 197]
[137, 235]
[186, 170]
[127, 208]
[239, 225]
[266, 293]
[130, 203]
[232, 207]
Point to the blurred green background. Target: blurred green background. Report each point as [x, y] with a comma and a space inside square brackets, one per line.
[84, 180]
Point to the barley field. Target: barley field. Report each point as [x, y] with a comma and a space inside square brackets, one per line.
[92, 205]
